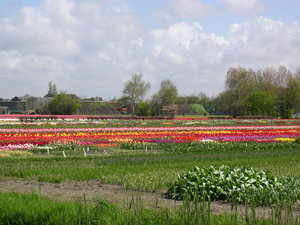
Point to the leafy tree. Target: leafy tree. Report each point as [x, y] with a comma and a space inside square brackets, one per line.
[155, 105]
[260, 103]
[64, 104]
[271, 79]
[135, 89]
[240, 81]
[204, 100]
[143, 109]
[249, 92]
[290, 98]
[239, 84]
[167, 92]
[122, 102]
[190, 99]
[166, 95]
[52, 91]
[222, 103]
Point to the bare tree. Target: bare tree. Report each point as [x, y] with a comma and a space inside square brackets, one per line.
[135, 89]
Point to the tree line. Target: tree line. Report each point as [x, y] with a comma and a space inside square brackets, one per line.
[272, 92]
[135, 90]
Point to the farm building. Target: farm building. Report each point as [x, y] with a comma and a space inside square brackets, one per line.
[3, 110]
[14, 106]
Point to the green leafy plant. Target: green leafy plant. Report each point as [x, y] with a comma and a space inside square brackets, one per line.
[234, 184]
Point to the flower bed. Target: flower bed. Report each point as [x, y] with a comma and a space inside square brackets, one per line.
[84, 136]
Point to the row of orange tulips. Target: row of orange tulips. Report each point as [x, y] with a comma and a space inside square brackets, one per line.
[162, 134]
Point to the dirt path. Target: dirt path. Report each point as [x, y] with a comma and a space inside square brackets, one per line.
[79, 190]
[89, 190]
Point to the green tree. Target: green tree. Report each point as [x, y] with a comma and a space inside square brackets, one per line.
[260, 103]
[143, 109]
[204, 100]
[64, 104]
[167, 92]
[239, 84]
[155, 105]
[222, 104]
[290, 98]
[122, 101]
[166, 95]
[244, 87]
[189, 99]
[52, 91]
[135, 90]
[240, 80]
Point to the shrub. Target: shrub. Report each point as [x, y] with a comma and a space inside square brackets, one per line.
[143, 109]
[64, 104]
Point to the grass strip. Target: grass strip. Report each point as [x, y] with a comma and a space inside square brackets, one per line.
[30, 209]
[145, 171]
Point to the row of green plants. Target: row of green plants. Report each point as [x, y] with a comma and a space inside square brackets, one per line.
[187, 147]
[21, 209]
[212, 146]
[235, 184]
[149, 170]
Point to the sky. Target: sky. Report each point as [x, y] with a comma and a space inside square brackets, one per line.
[92, 47]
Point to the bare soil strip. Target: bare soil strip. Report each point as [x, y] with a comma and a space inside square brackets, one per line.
[89, 190]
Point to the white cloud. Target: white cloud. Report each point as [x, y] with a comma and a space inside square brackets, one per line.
[187, 55]
[198, 61]
[264, 42]
[189, 41]
[184, 10]
[38, 30]
[242, 6]
[91, 48]
[65, 42]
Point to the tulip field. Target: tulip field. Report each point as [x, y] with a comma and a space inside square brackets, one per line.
[15, 135]
[140, 155]
[28, 138]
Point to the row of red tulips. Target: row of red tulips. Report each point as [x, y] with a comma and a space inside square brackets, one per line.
[88, 136]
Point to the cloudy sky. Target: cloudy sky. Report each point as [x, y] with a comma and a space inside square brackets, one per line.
[92, 47]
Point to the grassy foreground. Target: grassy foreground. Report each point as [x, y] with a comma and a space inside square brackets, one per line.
[17, 209]
[151, 171]
[139, 170]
